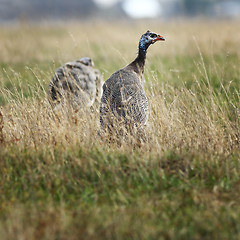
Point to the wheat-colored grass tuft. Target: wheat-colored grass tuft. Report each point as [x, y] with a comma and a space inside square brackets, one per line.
[180, 119]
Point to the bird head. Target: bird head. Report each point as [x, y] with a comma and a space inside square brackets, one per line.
[149, 38]
[86, 61]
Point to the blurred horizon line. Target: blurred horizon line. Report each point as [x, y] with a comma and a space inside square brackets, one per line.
[14, 11]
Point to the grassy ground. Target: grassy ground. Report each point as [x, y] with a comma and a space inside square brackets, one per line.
[58, 181]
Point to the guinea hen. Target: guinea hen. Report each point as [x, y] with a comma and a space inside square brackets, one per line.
[124, 99]
[78, 83]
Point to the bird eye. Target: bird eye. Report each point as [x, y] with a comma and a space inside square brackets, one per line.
[153, 35]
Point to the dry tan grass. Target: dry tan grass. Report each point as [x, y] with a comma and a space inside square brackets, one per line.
[180, 118]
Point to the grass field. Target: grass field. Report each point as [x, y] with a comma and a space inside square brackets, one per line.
[59, 181]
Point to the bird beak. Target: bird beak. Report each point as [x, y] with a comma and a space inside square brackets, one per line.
[158, 38]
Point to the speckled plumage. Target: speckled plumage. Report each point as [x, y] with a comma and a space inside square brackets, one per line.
[124, 98]
[78, 82]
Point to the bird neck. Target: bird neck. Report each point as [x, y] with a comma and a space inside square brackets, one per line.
[140, 59]
[139, 63]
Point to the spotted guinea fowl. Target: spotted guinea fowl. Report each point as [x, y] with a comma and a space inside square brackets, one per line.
[123, 98]
[78, 83]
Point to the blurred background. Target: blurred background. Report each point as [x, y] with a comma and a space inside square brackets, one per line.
[12, 11]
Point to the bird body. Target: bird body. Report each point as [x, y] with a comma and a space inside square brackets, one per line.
[77, 82]
[124, 98]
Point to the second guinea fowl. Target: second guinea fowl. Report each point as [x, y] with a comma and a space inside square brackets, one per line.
[78, 83]
[124, 98]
